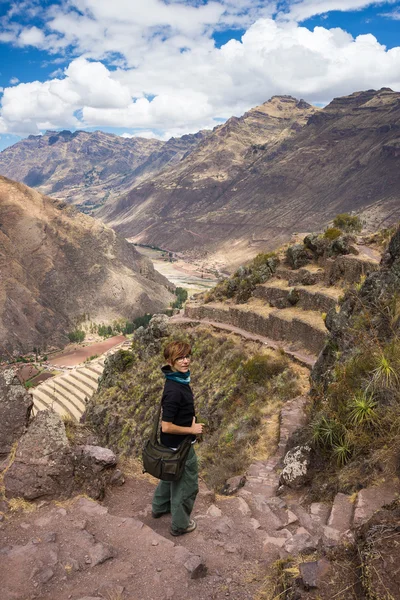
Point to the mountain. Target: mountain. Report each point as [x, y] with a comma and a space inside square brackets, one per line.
[283, 167]
[57, 264]
[86, 168]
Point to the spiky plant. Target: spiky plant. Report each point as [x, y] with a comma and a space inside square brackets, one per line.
[342, 451]
[385, 374]
[325, 432]
[363, 410]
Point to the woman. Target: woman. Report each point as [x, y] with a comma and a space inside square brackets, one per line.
[178, 421]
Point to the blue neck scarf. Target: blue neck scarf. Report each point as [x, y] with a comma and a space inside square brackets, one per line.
[177, 376]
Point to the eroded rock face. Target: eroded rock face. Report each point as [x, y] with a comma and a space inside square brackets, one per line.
[44, 464]
[297, 462]
[47, 466]
[149, 338]
[15, 409]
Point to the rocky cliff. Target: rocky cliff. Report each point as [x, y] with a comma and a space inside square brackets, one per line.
[283, 167]
[85, 168]
[57, 264]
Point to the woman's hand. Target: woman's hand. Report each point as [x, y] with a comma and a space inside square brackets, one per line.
[196, 428]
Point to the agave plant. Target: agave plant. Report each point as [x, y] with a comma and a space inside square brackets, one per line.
[342, 451]
[363, 410]
[325, 431]
[385, 373]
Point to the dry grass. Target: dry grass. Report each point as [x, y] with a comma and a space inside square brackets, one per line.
[132, 467]
[21, 505]
[266, 445]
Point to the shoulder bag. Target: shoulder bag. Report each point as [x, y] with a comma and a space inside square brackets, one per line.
[163, 462]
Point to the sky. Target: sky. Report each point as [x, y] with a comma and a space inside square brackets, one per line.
[162, 68]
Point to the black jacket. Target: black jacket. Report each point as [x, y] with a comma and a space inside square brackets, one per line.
[178, 408]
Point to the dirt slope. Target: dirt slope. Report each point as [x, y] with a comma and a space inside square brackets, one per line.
[57, 264]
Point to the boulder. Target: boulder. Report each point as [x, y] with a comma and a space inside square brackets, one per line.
[233, 484]
[148, 339]
[312, 572]
[45, 465]
[297, 463]
[370, 500]
[94, 469]
[15, 409]
[297, 256]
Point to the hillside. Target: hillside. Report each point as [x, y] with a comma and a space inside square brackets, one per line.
[57, 264]
[85, 168]
[246, 188]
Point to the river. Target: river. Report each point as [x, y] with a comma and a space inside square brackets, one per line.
[180, 273]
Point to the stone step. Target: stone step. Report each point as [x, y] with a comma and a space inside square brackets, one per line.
[75, 385]
[53, 402]
[307, 275]
[280, 295]
[340, 519]
[97, 368]
[38, 405]
[70, 395]
[84, 382]
[348, 269]
[70, 385]
[293, 325]
[89, 374]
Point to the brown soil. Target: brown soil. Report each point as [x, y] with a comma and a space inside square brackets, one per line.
[71, 358]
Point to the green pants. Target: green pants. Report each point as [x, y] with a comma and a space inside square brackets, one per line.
[177, 497]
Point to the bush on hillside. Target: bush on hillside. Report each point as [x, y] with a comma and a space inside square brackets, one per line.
[347, 223]
[260, 368]
[181, 297]
[76, 336]
[332, 233]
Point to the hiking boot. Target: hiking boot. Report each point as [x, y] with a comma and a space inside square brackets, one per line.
[191, 527]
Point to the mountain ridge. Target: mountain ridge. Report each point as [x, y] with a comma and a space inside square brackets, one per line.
[298, 183]
[58, 264]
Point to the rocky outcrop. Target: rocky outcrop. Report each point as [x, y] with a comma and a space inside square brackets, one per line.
[47, 466]
[59, 266]
[378, 290]
[296, 465]
[15, 409]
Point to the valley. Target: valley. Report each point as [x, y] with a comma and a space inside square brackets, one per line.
[295, 356]
[193, 276]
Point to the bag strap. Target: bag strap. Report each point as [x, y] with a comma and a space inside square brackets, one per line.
[154, 433]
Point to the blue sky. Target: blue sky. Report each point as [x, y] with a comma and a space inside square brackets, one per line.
[169, 68]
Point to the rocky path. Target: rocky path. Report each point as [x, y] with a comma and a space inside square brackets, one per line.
[83, 550]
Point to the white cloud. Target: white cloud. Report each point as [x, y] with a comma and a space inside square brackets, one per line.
[31, 36]
[168, 75]
[14, 80]
[394, 14]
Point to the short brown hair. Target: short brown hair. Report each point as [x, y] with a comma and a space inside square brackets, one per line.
[175, 350]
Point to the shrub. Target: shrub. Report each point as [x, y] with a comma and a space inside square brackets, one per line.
[76, 336]
[332, 233]
[181, 297]
[347, 223]
[363, 410]
[260, 368]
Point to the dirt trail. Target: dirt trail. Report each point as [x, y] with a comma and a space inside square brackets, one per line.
[298, 356]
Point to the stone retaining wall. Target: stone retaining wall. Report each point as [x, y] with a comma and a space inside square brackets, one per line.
[274, 325]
